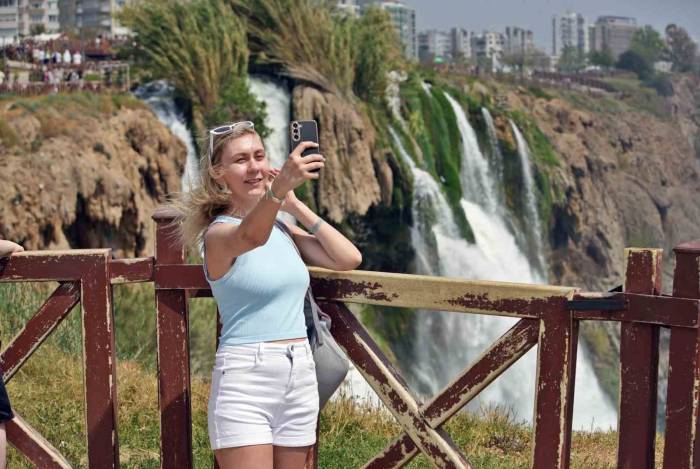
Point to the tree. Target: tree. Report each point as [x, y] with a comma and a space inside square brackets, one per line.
[199, 46]
[572, 60]
[682, 49]
[603, 58]
[631, 60]
[378, 52]
[647, 42]
[37, 29]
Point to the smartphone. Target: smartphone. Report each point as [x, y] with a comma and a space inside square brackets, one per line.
[303, 131]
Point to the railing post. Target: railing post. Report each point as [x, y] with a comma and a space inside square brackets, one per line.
[681, 448]
[639, 366]
[174, 393]
[554, 394]
[100, 364]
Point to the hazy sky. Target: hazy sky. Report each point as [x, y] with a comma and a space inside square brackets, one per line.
[477, 15]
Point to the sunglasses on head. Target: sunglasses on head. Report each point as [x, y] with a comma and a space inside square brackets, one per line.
[223, 130]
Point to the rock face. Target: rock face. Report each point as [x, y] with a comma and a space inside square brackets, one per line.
[349, 183]
[629, 179]
[84, 178]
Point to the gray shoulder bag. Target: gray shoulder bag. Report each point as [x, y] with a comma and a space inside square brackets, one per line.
[332, 364]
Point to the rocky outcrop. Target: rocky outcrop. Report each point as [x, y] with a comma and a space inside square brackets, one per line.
[85, 175]
[349, 183]
[628, 179]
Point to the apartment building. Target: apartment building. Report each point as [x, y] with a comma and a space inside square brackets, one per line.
[434, 45]
[518, 41]
[613, 33]
[20, 18]
[569, 30]
[487, 49]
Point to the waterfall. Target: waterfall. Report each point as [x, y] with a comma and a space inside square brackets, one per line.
[496, 154]
[450, 341]
[532, 215]
[478, 185]
[159, 97]
[278, 105]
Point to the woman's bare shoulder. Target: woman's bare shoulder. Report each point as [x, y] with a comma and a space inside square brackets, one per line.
[218, 234]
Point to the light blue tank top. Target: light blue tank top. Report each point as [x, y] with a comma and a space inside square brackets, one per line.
[261, 297]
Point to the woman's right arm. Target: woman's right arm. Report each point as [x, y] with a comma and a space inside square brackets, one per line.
[224, 242]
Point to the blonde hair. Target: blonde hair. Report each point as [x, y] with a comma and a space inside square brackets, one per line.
[204, 201]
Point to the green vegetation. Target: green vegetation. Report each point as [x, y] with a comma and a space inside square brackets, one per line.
[572, 60]
[201, 48]
[648, 43]
[682, 50]
[334, 52]
[433, 125]
[544, 159]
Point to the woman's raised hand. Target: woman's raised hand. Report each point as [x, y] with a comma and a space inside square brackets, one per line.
[297, 169]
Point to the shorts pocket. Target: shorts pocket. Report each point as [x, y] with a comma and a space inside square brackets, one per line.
[234, 364]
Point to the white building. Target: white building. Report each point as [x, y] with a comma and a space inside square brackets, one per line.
[518, 41]
[98, 16]
[404, 19]
[434, 45]
[487, 48]
[570, 29]
[19, 18]
[460, 44]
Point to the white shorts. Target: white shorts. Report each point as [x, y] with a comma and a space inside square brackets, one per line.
[263, 393]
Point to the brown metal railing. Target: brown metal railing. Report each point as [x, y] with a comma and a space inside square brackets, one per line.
[549, 317]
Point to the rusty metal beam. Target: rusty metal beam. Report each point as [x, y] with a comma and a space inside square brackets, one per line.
[639, 365]
[174, 393]
[40, 266]
[437, 293]
[554, 395]
[661, 310]
[100, 364]
[33, 446]
[681, 449]
[39, 327]
[391, 389]
[512, 345]
[131, 270]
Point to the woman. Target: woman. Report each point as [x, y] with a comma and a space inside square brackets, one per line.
[263, 405]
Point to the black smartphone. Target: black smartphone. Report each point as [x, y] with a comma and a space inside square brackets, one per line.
[303, 131]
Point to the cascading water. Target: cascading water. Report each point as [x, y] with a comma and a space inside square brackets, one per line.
[159, 97]
[278, 104]
[450, 341]
[496, 159]
[531, 213]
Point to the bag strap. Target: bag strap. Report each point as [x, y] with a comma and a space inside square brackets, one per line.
[314, 307]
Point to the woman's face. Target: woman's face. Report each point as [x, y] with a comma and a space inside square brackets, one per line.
[244, 167]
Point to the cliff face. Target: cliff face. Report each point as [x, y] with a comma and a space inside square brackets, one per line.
[629, 178]
[348, 182]
[84, 173]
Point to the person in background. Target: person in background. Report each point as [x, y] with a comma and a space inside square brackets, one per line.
[6, 248]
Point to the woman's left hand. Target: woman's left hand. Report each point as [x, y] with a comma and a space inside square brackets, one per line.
[290, 200]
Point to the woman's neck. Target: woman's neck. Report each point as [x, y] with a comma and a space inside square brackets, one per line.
[242, 208]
